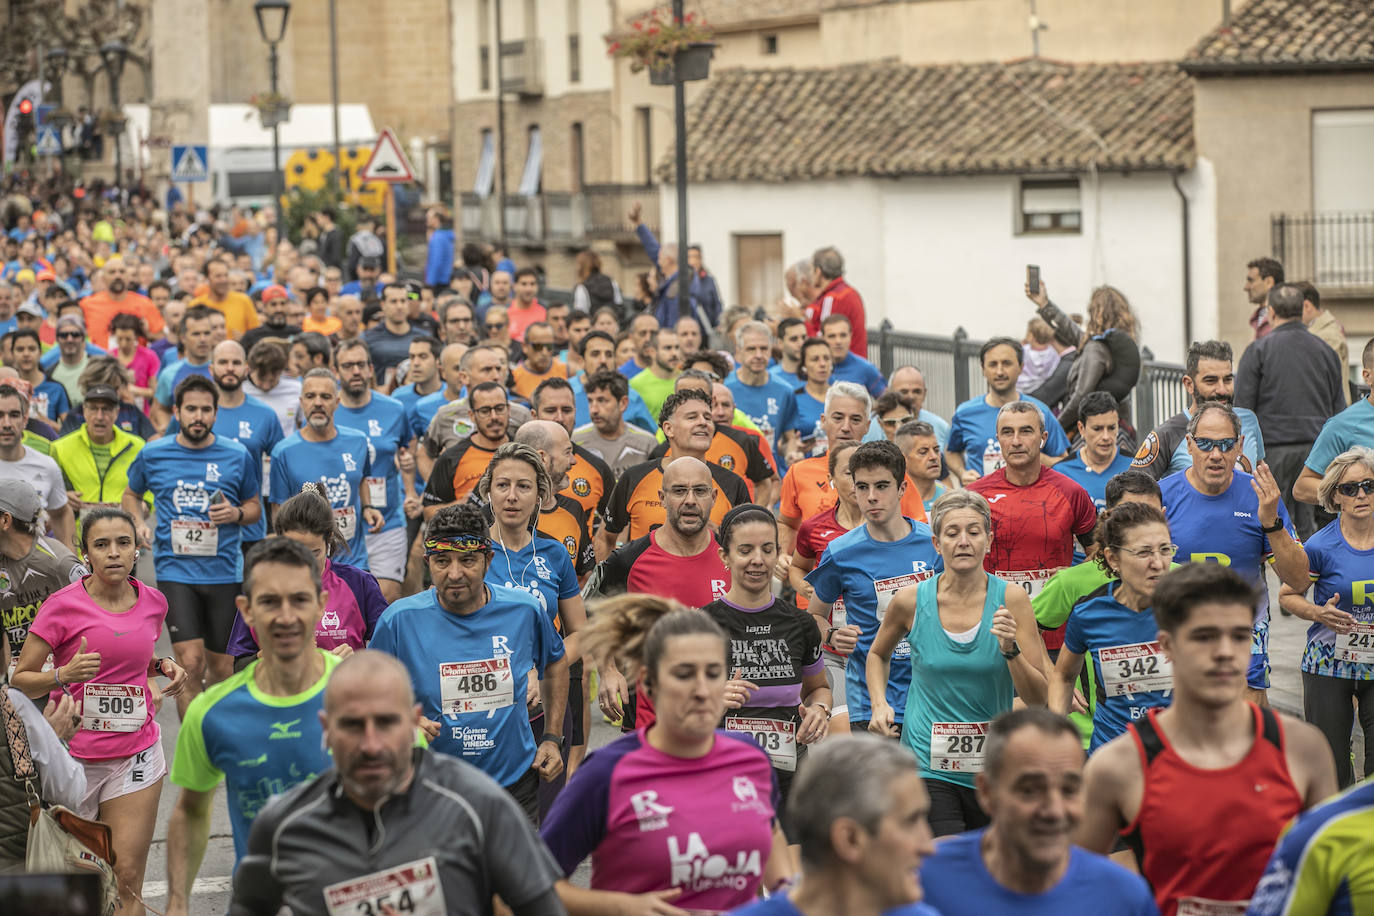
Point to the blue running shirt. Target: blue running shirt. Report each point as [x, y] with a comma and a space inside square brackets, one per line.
[257, 427]
[1336, 567]
[542, 567]
[383, 421]
[341, 464]
[973, 434]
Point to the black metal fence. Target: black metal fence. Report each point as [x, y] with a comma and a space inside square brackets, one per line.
[1334, 250]
[953, 374]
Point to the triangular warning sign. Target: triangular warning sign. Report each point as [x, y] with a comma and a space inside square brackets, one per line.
[49, 144]
[190, 167]
[388, 163]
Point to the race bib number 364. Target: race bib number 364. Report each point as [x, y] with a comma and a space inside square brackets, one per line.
[412, 889]
[476, 686]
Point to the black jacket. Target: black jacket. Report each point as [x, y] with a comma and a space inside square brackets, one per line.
[1292, 380]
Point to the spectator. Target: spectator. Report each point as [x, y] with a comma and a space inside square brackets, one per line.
[1038, 357]
[1261, 276]
[330, 242]
[835, 297]
[667, 308]
[1322, 323]
[594, 289]
[439, 258]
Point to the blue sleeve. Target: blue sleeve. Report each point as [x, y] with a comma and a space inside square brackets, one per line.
[576, 823]
[163, 392]
[1323, 450]
[1251, 427]
[787, 417]
[646, 238]
[825, 578]
[567, 574]
[1074, 639]
[59, 403]
[637, 412]
[250, 481]
[876, 384]
[278, 486]
[274, 433]
[955, 442]
[434, 263]
[1058, 442]
[137, 476]
[383, 636]
[1288, 526]
[548, 645]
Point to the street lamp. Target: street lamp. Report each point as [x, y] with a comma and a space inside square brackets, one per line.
[272, 15]
[113, 54]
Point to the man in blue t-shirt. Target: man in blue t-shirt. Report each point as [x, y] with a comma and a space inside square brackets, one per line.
[337, 457]
[197, 336]
[470, 648]
[765, 400]
[1025, 863]
[973, 450]
[1220, 515]
[1099, 460]
[867, 566]
[383, 421]
[849, 367]
[206, 488]
[259, 732]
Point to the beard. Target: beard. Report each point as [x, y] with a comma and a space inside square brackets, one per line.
[228, 382]
[118, 286]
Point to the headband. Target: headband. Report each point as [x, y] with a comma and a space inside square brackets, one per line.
[458, 543]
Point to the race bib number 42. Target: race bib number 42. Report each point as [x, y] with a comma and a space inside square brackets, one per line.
[113, 708]
[1357, 645]
[1136, 668]
[412, 889]
[194, 538]
[958, 747]
[476, 686]
[776, 737]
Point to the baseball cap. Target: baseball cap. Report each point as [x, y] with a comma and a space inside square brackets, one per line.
[72, 320]
[413, 289]
[273, 292]
[370, 262]
[20, 499]
[46, 275]
[31, 308]
[102, 393]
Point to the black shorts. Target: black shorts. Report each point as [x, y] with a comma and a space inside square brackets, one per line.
[525, 791]
[953, 808]
[861, 728]
[204, 612]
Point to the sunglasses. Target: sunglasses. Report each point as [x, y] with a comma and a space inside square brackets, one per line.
[496, 325]
[1205, 444]
[898, 421]
[1350, 489]
[70, 336]
[539, 346]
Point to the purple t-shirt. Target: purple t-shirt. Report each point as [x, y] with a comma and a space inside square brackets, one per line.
[351, 611]
[652, 822]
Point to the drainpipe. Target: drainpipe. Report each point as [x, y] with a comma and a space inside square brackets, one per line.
[1187, 266]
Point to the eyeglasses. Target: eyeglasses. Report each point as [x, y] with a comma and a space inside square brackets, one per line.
[1205, 444]
[1166, 553]
[70, 335]
[682, 492]
[1350, 489]
[894, 423]
[488, 411]
[349, 367]
[538, 346]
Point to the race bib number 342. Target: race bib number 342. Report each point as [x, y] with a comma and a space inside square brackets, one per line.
[1136, 668]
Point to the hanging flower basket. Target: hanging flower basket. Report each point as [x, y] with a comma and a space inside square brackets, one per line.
[273, 109]
[111, 122]
[666, 47]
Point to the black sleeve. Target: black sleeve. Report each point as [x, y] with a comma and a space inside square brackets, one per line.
[439, 487]
[585, 560]
[757, 468]
[612, 575]
[607, 484]
[731, 484]
[256, 890]
[1055, 388]
[617, 512]
[659, 451]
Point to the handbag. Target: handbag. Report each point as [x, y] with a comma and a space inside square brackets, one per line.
[59, 840]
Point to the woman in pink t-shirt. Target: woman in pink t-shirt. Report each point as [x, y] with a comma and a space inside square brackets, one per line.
[100, 632]
[678, 814]
[142, 362]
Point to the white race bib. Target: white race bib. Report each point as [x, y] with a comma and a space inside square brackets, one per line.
[837, 613]
[113, 708]
[775, 737]
[886, 588]
[347, 520]
[194, 538]
[1357, 645]
[1136, 668]
[958, 747]
[992, 458]
[1032, 580]
[412, 889]
[376, 491]
[476, 686]
[1200, 906]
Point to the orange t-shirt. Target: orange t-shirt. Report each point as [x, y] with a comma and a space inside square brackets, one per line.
[328, 326]
[240, 315]
[521, 318]
[806, 491]
[100, 308]
[526, 381]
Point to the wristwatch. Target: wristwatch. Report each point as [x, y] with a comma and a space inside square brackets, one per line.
[1015, 651]
[560, 740]
[1278, 523]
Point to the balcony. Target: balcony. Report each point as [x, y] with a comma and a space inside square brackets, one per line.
[1334, 250]
[522, 67]
[559, 217]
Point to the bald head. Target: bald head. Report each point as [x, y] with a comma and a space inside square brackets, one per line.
[686, 471]
[228, 349]
[542, 435]
[910, 383]
[373, 672]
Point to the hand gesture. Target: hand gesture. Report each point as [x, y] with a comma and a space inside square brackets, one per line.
[143, 535]
[636, 209]
[1041, 296]
[1267, 489]
[845, 639]
[882, 723]
[223, 513]
[532, 695]
[374, 520]
[781, 567]
[1328, 615]
[412, 506]
[613, 693]
[548, 761]
[342, 650]
[968, 476]
[430, 728]
[1004, 628]
[654, 903]
[81, 667]
[738, 691]
[61, 715]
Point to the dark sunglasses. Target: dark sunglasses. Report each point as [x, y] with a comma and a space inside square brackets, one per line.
[1205, 444]
[539, 346]
[70, 336]
[495, 325]
[1350, 489]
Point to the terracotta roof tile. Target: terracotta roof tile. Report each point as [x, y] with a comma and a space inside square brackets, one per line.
[889, 119]
[1317, 34]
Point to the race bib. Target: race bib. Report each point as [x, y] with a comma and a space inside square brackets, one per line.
[376, 491]
[1032, 580]
[1357, 645]
[1200, 906]
[476, 686]
[958, 747]
[347, 521]
[194, 538]
[38, 407]
[992, 458]
[775, 737]
[886, 588]
[113, 708]
[1137, 668]
[837, 613]
[412, 889]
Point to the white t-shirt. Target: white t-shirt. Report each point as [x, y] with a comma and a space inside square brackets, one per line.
[41, 471]
[284, 398]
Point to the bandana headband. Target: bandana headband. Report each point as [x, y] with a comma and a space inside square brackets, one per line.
[462, 543]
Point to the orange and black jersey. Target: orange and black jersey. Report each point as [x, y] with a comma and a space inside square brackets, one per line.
[733, 450]
[565, 523]
[590, 481]
[634, 502]
[456, 472]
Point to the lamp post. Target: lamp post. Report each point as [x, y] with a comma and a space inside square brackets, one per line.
[684, 290]
[113, 54]
[272, 15]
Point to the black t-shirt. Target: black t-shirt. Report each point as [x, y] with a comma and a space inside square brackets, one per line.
[774, 647]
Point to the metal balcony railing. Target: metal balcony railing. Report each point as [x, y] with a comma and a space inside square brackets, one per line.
[1334, 250]
[597, 212]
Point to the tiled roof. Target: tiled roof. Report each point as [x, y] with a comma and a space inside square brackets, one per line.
[727, 13]
[1306, 34]
[889, 119]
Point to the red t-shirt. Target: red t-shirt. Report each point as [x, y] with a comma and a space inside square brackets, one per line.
[1033, 528]
[839, 298]
[813, 536]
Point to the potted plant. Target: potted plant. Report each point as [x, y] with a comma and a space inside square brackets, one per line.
[669, 48]
[273, 108]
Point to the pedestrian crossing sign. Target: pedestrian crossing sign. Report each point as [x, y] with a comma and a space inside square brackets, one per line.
[49, 143]
[190, 163]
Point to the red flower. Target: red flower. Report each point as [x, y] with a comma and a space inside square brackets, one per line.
[639, 25]
[653, 30]
[615, 46]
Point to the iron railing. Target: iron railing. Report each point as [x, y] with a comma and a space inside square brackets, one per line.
[953, 374]
[596, 212]
[1333, 250]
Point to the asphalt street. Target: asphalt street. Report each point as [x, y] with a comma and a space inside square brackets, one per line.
[211, 891]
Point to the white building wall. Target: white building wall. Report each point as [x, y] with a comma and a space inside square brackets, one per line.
[936, 254]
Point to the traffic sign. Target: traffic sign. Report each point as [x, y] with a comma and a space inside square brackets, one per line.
[41, 113]
[49, 143]
[190, 163]
[388, 163]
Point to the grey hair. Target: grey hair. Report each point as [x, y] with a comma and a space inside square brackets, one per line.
[1049, 724]
[955, 500]
[828, 261]
[319, 372]
[1221, 406]
[1355, 455]
[752, 327]
[1019, 406]
[915, 429]
[849, 390]
[849, 776]
[799, 270]
[519, 451]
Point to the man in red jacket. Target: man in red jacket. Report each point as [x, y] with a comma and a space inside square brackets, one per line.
[836, 298]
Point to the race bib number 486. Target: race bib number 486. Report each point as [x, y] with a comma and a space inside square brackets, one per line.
[476, 686]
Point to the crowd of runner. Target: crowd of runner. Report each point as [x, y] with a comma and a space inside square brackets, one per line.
[410, 539]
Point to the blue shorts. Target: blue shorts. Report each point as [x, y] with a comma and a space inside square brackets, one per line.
[1257, 676]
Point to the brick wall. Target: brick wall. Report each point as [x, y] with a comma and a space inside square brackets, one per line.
[555, 117]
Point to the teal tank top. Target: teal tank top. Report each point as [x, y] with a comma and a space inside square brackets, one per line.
[957, 689]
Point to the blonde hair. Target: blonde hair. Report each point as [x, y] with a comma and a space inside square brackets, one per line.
[1326, 490]
[633, 630]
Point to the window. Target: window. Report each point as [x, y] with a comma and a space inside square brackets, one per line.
[532, 177]
[770, 44]
[484, 45]
[579, 160]
[574, 41]
[486, 165]
[644, 133]
[1050, 206]
[758, 269]
[484, 67]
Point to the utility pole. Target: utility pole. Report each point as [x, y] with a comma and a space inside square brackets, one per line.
[684, 289]
[500, 129]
